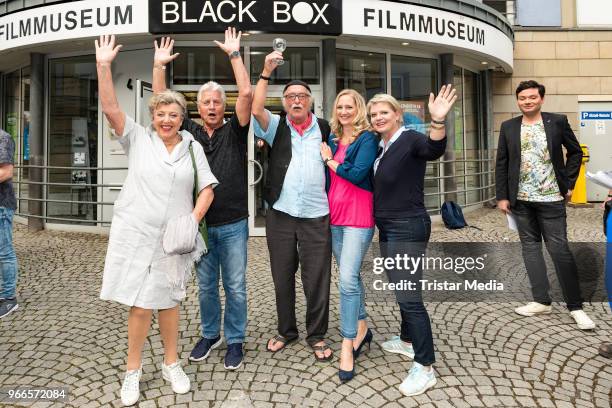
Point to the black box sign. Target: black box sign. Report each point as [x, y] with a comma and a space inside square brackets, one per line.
[322, 17]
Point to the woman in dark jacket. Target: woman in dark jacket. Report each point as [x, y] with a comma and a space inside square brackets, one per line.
[403, 222]
[349, 157]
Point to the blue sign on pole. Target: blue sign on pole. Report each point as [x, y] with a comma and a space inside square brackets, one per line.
[596, 115]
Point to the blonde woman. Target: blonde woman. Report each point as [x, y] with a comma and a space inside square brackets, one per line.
[349, 157]
[159, 186]
[402, 220]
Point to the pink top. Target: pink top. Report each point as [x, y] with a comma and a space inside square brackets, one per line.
[349, 205]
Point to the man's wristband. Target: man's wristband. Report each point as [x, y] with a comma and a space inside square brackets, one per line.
[437, 126]
[265, 78]
[438, 122]
[609, 195]
[162, 67]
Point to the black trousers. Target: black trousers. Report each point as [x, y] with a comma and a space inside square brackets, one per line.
[305, 242]
[548, 220]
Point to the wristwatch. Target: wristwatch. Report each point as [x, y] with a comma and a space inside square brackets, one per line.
[234, 54]
[327, 160]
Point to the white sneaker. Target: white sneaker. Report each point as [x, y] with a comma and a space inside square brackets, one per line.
[130, 390]
[418, 381]
[533, 308]
[396, 345]
[177, 377]
[583, 321]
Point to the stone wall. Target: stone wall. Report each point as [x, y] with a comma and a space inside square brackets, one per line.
[569, 63]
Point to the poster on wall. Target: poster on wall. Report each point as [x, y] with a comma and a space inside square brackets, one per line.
[80, 151]
[414, 115]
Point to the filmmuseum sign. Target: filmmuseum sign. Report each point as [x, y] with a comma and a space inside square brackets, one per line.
[411, 22]
[72, 20]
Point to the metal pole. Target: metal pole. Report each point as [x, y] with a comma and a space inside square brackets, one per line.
[36, 138]
[329, 75]
[450, 183]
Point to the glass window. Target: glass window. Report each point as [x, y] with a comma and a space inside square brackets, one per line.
[458, 182]
[412, 79]
[365, 72]
[471, 137]
[300, 63]
[196, 66]
[73, 136]
[12, 118]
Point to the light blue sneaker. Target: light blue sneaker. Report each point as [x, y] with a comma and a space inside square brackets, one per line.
[396, 345]
[418, 381]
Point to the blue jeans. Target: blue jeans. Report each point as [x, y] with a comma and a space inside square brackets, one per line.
[349, 246]
[8, 260]
[398, 236]
[609, 258]
[227, 252]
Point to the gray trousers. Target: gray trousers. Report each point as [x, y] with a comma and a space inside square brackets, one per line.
[304, 242]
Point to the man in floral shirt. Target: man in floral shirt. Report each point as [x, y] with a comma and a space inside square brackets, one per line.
[533, 181]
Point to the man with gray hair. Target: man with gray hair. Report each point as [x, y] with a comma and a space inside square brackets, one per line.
[225, 145]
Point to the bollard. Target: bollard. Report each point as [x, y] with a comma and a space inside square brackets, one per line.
[579, 195]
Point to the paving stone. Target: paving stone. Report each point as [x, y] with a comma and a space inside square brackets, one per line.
[63, 334]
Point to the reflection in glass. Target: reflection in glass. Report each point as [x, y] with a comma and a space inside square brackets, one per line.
[412, 80]
[196, 66]
[364, 72]
[300, 63]
[73, 136]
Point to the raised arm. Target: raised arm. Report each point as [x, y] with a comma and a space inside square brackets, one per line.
[106, 51]
[261, 91]
[163, 56]
[231, 47]
[439, 107]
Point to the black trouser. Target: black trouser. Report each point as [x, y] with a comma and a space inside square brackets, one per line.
[534, 221]
[305, 242]
[409, 236]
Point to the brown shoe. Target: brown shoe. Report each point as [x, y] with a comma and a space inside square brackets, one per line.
[605, 350]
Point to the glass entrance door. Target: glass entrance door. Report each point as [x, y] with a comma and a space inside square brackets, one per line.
[258, 166]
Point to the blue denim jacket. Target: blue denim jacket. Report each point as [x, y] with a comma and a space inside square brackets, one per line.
[358, 162]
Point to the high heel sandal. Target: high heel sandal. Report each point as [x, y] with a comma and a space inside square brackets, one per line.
[367, 339]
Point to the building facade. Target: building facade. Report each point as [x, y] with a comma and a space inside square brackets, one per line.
[567, 46]
[69, 173]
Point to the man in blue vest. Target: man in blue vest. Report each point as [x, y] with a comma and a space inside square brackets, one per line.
[299, 214]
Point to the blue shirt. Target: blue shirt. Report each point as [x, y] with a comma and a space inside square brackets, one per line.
[303, 194]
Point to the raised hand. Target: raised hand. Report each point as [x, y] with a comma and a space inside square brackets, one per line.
[271, 62]
[106, 51]
[232, 41]
[442, 104]
[163, 51]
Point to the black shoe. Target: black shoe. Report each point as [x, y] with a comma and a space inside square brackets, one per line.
[203, 348]
[233, 356]
[7, 306]
[346, 376]
[367, 339]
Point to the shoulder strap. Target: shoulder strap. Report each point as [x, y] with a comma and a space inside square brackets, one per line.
[195, 173]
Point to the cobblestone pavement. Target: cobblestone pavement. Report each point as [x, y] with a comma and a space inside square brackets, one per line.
[487, 356]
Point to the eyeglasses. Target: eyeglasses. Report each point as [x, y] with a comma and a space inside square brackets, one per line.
[301, 97]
